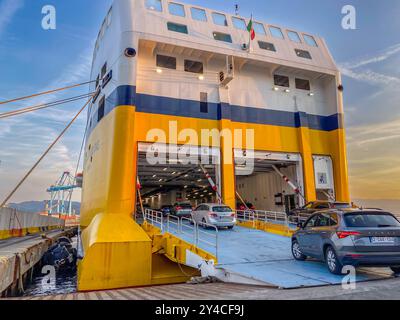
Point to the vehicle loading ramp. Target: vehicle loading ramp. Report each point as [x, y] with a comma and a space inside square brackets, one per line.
[266, 259]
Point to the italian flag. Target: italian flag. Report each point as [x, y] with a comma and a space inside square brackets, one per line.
[251, 29]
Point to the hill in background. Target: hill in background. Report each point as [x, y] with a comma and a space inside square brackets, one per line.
[39, 206]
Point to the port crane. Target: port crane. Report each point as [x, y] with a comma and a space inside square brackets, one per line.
[61, 194]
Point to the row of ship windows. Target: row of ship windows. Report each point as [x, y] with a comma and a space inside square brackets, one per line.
[225, 37]
[197, 67]
[220, 19]
[169, 62]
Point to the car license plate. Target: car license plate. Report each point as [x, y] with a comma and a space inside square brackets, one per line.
[382, 239]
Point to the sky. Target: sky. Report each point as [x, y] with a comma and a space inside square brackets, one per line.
[33, 59]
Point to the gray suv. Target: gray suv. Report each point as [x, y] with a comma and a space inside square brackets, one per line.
[349, 237]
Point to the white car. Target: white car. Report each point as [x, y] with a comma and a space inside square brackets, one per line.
[218, 215]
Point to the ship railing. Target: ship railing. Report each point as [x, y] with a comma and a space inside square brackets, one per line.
[274, 217]
[202, 235]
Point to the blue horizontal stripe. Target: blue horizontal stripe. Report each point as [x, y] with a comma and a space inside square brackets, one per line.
[127, 95]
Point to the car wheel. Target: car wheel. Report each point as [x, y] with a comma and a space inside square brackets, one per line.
[296, 251]
[396, 270]
[230, 228]
[332, 261]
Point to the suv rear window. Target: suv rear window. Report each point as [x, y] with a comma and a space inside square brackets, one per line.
[184, 205]
[222, 209]
[371, 220]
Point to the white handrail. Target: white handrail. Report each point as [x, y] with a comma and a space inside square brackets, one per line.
[184, 226]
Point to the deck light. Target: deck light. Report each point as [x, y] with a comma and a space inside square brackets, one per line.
[158, 70]
[287, 90]
[275, 88]
[154, 176]
[165, 169]
[311, 94]
[173, 173]
[201, 77]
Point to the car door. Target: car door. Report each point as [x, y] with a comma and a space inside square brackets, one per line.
[304, 235]
[320, 232]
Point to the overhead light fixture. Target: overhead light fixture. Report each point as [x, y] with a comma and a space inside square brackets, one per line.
[186, 175]
[201, 77]
[311, 94]
[199, 180]
[158, 70]
[173, 173]
[165, 169]
[185, 187]
[154, 176]
[275, 88]
[287, 90]
[160, 180]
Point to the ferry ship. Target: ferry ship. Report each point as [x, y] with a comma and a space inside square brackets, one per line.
[168, 66]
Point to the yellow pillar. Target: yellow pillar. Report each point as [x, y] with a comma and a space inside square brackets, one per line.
[308, 163]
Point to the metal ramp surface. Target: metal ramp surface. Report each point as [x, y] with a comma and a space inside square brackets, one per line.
[264, 257]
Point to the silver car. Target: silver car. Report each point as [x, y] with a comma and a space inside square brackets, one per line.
[350, 237]
[218, 215]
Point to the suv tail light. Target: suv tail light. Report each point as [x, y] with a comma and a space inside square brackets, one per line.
[345, 234]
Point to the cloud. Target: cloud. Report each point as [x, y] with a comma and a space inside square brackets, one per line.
[380, 57]
[8, 8]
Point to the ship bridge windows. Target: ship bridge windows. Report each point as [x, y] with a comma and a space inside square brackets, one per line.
[104, 70]
[219, 19]
[310, 40]
[100, 110]
[259, 28]
[176, 9]
[303, 54]
[303, 84]
[166, 62]
[194, 66]
[266, 46]
[181, 28]
[276, 32]
[294, 36]
[239, 23]
[281, 81]
[198, 14]
[155, 5]
[222, 37]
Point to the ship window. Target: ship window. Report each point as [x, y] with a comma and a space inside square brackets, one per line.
[259, 28]
[177, 27]
[219, 19]
[100, 111]
[222, 37]
[294, 36]
[193, 66]
[154, 5]
[281, 81]
[103, 70]
[276, 32]
[166, 62]
[239, 23]
[203, 102]
[267, 46]
[303, 84]
[310, 40]
[97, 81]
[176, 9]
[199, 14]
[303, 54]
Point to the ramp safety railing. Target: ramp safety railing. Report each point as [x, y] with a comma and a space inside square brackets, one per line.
[274, 217]
[202, 235]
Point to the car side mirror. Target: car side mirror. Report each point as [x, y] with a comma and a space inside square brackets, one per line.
[300, 225]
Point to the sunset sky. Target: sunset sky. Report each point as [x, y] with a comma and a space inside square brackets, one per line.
[33, 60]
